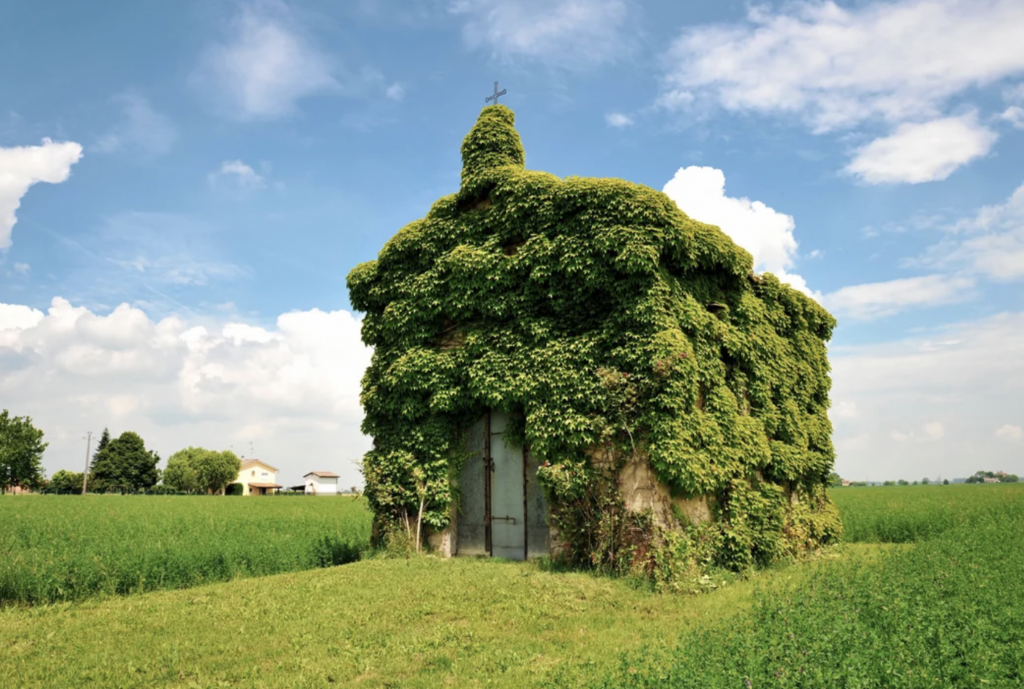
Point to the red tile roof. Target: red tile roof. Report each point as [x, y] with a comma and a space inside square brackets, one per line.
[264, 485]
[322, 474]
[246, 462]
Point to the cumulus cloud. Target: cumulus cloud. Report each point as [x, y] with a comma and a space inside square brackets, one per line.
[618, 120]
[1014, 115]
[292, 389]
[929, 433]
[766, 233]
[22, 268]
[267, 65]
[23, 166]
[960, 377]
[880, 299]
[990, 243]
[565, 33]
[237, 174]
[922, 152]
[395, 92]
[837, 67]
[141, 128]
[1010, 432]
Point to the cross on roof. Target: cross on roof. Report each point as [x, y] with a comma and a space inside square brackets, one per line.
[496, 94]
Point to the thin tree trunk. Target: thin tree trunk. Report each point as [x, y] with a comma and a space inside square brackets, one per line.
[419, 523]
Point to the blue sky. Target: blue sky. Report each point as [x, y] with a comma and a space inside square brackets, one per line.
[176, 248]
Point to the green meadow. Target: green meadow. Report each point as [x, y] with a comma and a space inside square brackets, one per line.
[65, 548]
[928, 591]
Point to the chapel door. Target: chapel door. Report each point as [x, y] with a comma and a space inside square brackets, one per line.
[508, 495]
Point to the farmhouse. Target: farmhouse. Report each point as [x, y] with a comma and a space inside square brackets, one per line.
[575, 366]
[321, 483]
[257, 477]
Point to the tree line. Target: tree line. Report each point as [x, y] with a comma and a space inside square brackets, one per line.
[122, 464]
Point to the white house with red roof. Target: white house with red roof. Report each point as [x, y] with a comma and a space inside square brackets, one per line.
[321, 483]
[257, 477]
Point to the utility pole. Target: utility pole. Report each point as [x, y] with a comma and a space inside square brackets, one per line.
[88, 449]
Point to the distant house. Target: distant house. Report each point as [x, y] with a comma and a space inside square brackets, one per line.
[257, 477]
[990, 480]
[846, 482]
[321, 483]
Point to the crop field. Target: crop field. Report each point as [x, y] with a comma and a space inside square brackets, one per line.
[928, 593]
[947, 612]
[65, 548]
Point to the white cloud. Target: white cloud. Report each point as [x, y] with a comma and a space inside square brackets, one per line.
[141, 128]
[566, 33]
[267, 66]
[23, 166]
[960, 376]
[990, 243]
[395, 92]
[22, 268]
[922, 152]
[1009, 432]
[1014, 115]
[929, 433]
[617, 119]
[1014, 94]
[292, 389]
[837, 67]
[880, 299]
[764, 232]
[238, 174]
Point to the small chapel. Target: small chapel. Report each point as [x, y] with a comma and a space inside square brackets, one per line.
[574, 368]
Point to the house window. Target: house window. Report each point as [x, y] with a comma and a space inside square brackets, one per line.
[254, 473]
[264, 474]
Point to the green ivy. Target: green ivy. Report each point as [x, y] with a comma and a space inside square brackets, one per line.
[597, 312]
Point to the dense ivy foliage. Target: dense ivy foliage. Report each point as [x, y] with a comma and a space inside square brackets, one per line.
[594, 311]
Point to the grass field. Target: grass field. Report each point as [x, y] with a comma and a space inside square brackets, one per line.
[63, 548]
[947, 612]
[941, 606]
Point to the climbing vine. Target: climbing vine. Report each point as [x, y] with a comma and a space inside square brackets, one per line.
[597, 312]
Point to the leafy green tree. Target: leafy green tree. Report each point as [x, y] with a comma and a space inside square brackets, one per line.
[215, 470]
[196, 469]
[65, 481]
[945, 482]
[903, 482]
[889, 483]
[125, 465]
[180, 473]
[835, 480]
[21, 452]
[925, 481]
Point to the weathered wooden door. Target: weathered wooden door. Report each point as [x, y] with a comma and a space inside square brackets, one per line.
[503, 512]
[508, 497]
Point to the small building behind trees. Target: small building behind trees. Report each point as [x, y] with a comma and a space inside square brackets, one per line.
[321, 483]
[257, 478]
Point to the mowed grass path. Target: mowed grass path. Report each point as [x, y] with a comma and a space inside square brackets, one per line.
[64, 548]
[422, 622]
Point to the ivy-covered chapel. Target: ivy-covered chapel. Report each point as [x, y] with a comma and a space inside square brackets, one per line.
[574, 367]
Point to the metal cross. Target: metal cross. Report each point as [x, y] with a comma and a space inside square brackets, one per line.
[496, 94]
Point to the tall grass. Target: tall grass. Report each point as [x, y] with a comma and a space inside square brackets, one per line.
[63, 548]
[946, 612]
